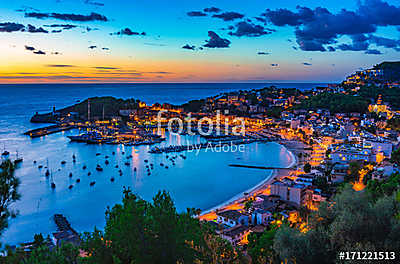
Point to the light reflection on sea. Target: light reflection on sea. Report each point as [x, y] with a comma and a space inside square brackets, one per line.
[200, 181]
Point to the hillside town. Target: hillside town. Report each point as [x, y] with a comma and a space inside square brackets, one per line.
[337, 134]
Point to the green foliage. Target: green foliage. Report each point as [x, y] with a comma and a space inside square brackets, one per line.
[137, 232]
[110, 104]
[336, 103]
[8, 192]
[394, 123]
[274, 112]
[248, 204]
[353, 173]
[66, 254]
[194, 105]
[307, 168]
[141, 232]
[351, 222]
[390, 95]
[395, 157]
[321, 183]
[260, 246]
[385, 187]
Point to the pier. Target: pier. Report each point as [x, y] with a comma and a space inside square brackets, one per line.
[65, 234]
[259, 167]
[44, 131]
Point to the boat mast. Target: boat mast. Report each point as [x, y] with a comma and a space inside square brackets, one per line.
[88, 110]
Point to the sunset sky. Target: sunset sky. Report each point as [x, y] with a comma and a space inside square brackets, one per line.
[194, 41]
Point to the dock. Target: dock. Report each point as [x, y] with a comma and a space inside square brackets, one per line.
[259, 167]
[65, 233]
[44, 131]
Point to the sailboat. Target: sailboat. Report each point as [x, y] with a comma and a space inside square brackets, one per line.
[18, 159]
[5, 152]
[47, 171]
[53, 185]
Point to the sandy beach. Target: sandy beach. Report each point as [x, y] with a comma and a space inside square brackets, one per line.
[237, 202]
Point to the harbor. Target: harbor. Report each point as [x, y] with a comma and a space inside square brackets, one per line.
[81, 189]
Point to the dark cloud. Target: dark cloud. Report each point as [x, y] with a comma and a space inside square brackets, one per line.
[359, 42]
[39, 52]
[56, 31]
[160, 72]
[283, 17]
[384, 42]
[229, 16]
[105, 48]
[373, 51]
[380, 13]
[249, 30]
[33, 29]
[263, 53]
[261, 19]
[129, 32]
[189, 47]
[212, 10]
[306, 64]
[26, 8]
[362, 42]
[196, 14]
[68, 17]
[89, 2]
[10, 27]
[294, 47]
[88, 29]
[216, 41]
[92, 47]
[274, 64]
[62, 26]
[60, 66]
[29, 48]
[318, 29]
[330, 48]
[105, 68]
[56, 53]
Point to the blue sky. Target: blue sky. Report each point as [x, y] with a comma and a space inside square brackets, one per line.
[320, 41]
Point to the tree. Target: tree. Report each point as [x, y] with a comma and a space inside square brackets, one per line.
[65, 254]
[8, 192]
[307, 168]
[395, 158]
[138, 231]
[352, 221]
[353, 172]
[248, 204]
[321, 183]
[260, 246]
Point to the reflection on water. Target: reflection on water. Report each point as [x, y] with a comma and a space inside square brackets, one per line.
[200, 181]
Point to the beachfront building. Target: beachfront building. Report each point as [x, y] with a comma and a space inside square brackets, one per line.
[289, 191]
[236, 234]
[232, 218]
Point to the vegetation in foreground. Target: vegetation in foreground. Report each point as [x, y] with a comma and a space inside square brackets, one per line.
[138, 231]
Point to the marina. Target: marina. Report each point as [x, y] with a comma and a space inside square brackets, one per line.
[77, 189]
